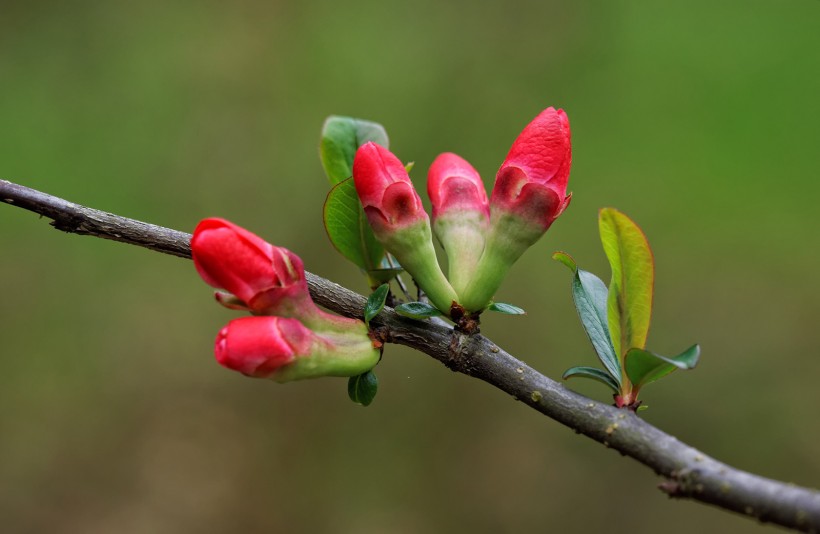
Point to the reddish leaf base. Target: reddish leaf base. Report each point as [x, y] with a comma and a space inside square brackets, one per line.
[629, 401]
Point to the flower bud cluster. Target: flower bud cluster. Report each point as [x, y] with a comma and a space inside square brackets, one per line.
[482, 238]
[289, 337]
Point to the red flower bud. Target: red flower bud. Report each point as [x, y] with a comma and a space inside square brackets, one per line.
[259, 346]
[284, 350]
[532, 181]
[454, 185]
[398, 220]
[229, 257]
[385, 190]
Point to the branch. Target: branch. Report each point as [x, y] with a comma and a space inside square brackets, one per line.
[688, 473]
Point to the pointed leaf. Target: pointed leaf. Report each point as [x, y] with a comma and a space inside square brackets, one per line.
[362, 388]
[418, 310]
[629, 306]
[348, 229]
[590, 296]
[593, 373]
[505, 308]
[375, 303]
[643, 367]
[341, 137]
[566, 259]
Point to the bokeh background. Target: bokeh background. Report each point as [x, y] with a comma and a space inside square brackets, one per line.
[699, 119]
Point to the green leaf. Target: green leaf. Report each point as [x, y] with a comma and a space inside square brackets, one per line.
[566, 259]
[507, 309]
[643, 367]
[348, 229]
[341, 137]
[418, 310]
[362, 388]
[629, 305]
[590, 296]
[375, 303]
[593, 373]
[384, 275]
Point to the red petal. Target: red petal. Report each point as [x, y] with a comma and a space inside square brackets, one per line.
[543, 150]
[374, 169]
[453, 183]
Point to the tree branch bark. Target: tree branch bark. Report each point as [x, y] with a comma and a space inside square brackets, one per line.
[688, 473]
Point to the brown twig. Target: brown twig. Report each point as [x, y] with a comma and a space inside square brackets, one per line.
[688, 473]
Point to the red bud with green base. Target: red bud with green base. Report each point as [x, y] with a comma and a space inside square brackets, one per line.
[461, 215]
[398, 219]
[530, 193]
[260, 277]
[284, 350]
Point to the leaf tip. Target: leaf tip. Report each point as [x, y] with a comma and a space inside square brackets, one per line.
[566, 259]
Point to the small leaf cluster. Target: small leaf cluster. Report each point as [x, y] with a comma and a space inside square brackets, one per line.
[616, 319]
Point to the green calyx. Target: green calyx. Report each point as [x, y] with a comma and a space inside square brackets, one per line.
[332, 354]
[509, 236]
[462, 234]
[413, 248]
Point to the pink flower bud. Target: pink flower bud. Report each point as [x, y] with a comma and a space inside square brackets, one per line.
[385, 190]
[454, 185]
[229, 257]
[461, 215]
[532, 181]
[260, 346]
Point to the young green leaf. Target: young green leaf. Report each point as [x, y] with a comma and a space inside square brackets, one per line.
[507, 309]
[589, 294]
[384, 275]
[418, 310]
[341, 137]
[593, 373]
[566, 259]
[362, 388]
[643, 367]
[375, 303]
[629, 305]
[348, 229]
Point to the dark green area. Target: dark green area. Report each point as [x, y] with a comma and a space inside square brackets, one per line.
[362, 388]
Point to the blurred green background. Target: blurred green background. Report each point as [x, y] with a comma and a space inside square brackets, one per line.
[698, 119]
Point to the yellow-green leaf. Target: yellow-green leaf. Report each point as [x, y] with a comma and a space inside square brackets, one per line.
[629, 305]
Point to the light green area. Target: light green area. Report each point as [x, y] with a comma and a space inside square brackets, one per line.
[700, 120]
[629, 303]
[348, 229]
